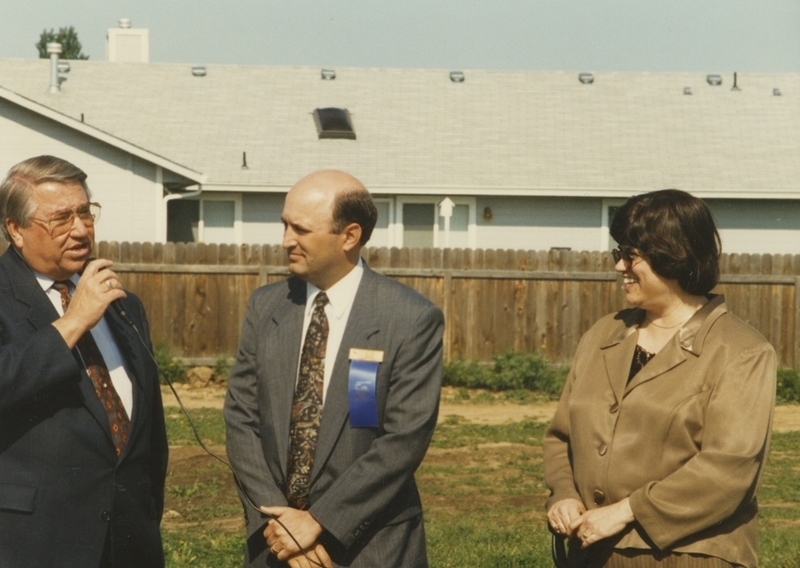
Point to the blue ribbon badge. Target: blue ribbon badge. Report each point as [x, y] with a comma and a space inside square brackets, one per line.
[361, 392]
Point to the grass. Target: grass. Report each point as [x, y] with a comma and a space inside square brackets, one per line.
[481, 486]
[202, 548]
[209, 424]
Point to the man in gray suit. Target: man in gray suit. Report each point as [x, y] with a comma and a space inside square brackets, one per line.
[334, 396]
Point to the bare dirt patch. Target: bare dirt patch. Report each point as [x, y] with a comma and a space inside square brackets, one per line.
[200, 491]
[206, 397]
[787, 417]
[498, 412]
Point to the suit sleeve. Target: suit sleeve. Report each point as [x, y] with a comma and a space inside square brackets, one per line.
[366, 488]
[243, 420]
[725, 472]
[32, 365]
[558, 474]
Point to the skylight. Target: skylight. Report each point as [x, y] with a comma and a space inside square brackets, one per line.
[334, 122]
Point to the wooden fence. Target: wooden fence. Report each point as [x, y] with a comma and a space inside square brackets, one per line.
[493, 300]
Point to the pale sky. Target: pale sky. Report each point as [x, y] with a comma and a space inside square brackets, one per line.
[592, 35]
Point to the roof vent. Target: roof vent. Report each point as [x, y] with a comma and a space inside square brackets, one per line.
[735, 83]
[63, 66]
[776, 92]
[457, 76]
[713, 79]
[687, 90]
[199, 70]
[328, 74]
[54, 50]
[125, 23]
[586, 78]
[334, 123]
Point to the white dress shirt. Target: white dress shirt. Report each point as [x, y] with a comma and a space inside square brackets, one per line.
[337, 310]
[105, 342]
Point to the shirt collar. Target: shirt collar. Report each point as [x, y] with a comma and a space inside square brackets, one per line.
[46, 282]
[341, 294]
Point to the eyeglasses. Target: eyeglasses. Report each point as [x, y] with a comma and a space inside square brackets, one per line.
[628, 254]
[61, 222]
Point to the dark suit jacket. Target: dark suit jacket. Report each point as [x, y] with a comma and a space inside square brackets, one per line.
[62, 489]
[362, 487]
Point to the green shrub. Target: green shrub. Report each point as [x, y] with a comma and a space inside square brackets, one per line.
[466, 374]
[169, 365]
[511, 371]
[222, 368]
[788, 385]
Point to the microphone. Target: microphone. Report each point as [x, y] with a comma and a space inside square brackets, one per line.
[116, 304]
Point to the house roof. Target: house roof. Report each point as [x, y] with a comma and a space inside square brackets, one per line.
[498, 132]
[80, 126]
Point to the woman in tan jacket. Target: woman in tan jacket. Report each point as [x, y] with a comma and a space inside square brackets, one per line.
[655, 452]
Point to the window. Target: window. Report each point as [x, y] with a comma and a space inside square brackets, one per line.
[419, 223]
[610, 207]
[210, 219]
[183, 216]
[218, 220]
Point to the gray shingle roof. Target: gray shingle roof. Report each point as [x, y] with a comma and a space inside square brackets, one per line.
[511, 132]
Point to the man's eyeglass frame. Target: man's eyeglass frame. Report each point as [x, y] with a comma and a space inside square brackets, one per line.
[60, 222]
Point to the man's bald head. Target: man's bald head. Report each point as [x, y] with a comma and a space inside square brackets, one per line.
[327, 218]
[349, 200]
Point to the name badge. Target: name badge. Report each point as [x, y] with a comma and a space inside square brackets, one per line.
[361, 392]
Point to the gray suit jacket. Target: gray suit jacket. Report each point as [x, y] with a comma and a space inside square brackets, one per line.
[362, 484]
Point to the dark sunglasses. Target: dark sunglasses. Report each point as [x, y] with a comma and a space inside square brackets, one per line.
[624, 253]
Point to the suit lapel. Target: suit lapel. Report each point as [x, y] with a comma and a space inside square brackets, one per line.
[26, 290]
[134, 355]
[617, 359]
[689, 339]
[618, 351]
[618, 355]
[670, 356]
[284, 354]
[361, 331]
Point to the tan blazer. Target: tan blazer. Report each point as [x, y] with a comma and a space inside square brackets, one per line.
[686, 440]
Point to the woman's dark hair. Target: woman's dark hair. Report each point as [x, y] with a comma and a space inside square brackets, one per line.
[676, 233]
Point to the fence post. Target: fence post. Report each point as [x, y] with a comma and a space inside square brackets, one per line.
[447, 285]
[796, 317]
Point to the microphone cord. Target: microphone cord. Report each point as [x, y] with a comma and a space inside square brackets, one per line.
[205, 448]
